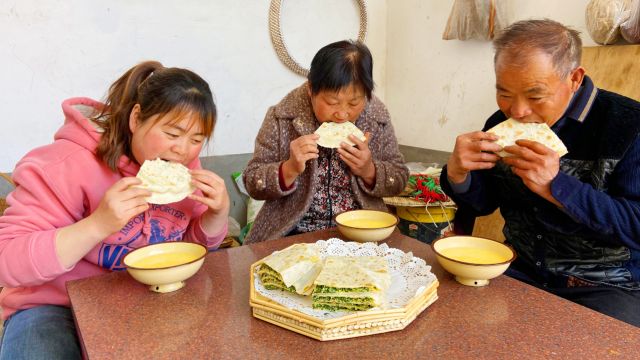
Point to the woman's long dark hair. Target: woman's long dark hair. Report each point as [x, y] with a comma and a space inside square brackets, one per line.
[159, 91]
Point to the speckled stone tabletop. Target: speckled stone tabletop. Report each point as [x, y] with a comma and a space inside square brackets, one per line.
[118, 318]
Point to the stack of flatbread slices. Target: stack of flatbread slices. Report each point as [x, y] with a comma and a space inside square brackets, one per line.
[168, 182]
[292, 269]
[332, 134]
[511, 130]
[351, 283]
[339, 283]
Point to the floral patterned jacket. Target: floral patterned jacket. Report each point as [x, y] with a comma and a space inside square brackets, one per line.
[292, 118]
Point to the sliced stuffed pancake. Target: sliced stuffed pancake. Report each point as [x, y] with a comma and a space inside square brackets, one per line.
[511, 130]
[351, 283]
[292, 269]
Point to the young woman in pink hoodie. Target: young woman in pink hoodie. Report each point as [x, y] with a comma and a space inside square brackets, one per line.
[76, 210]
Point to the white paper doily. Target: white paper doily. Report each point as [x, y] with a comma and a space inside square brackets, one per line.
[409, 277]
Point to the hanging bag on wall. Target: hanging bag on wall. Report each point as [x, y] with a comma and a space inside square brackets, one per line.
[603, 19]
[630, 29]
[474, 19]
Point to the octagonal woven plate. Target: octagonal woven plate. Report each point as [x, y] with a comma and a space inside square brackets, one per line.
[413, 290]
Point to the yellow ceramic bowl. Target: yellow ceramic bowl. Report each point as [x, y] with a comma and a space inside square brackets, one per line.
[165, 266]
[473, 260]
[366, 225]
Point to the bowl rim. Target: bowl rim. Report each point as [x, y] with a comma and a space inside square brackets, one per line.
[397, 220]
[513, 252]
[124, 259]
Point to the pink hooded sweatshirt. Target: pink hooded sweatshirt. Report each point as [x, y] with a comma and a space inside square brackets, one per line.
[60, 184]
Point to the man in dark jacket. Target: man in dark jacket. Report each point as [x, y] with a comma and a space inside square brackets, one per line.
[574, 221]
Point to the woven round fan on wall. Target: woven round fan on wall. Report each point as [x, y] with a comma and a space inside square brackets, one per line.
[279, 43]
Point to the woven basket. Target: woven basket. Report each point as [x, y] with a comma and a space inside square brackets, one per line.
[409, 202]
[3, 201]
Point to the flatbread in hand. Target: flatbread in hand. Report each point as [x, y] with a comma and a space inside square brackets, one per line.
[332, 134]
[511, 130]
[168, 182]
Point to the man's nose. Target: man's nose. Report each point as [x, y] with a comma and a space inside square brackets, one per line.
[520, 109]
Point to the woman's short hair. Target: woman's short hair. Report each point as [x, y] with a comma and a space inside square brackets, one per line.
[341, 64]
[560, 42]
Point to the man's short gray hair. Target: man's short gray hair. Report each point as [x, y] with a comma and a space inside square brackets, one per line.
[562, 43]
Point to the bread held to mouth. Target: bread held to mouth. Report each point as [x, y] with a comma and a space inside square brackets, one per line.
[511, 130]
[168, 182]
[332, 134]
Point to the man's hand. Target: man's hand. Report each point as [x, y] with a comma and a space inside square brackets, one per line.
[358, 158]
[473, 151]
[536, 165]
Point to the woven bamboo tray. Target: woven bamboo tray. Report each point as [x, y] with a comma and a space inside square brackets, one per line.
[353, 325]
[410, 202]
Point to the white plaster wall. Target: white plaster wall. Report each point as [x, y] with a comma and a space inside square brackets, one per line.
[52, 50]
[437, 89]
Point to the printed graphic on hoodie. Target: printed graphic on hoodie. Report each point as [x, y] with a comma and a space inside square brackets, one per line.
[160, 223]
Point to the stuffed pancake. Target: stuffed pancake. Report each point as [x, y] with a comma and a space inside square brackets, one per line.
[332, 134]
[168, 182]
[511, 130]
[293, 269]
[351, 283]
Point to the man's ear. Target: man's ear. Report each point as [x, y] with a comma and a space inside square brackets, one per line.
[134, 118]
[576, 78]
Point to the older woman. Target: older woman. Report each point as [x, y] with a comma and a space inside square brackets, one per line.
[305, 185]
